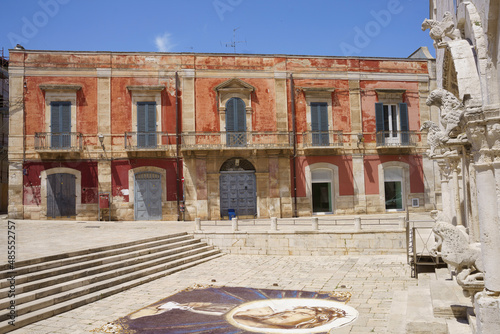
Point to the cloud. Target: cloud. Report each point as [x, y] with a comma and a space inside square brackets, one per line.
[164, 42]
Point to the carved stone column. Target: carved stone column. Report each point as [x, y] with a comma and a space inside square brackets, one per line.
[486, 187]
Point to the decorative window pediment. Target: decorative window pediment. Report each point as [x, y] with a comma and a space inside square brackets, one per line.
[318, 92]
[235, 85]
[54, 87]
[147, 88]
[390, 95]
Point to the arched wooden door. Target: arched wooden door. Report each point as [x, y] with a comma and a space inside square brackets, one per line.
[148, 194]
[61, 195]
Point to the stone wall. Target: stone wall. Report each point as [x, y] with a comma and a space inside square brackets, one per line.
[308, 243]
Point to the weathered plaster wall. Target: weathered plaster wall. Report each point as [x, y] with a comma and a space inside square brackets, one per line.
[371, 171]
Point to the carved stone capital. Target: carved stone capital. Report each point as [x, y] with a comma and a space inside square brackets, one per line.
[476, 133]
[493, 135]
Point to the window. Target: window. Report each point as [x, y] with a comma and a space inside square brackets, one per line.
[319, 123]
[146, 124]
[235, 122]
[60, 116]
[60, 124]
[319, 115]
[146, 115]
[392, 123]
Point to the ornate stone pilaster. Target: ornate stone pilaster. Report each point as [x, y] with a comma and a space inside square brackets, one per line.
[454, 163]
[445, 189]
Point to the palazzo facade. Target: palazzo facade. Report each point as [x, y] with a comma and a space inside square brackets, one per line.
[167, 136]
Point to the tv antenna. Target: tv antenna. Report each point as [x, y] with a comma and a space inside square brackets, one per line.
[234, 42]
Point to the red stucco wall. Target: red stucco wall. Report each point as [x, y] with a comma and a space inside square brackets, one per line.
[32, 181]
[120, 168]
[344, 163]
[371, 163]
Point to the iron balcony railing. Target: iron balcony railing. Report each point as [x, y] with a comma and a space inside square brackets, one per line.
[235, 140]
[322, 139]
[148, 140]
[397, 138]
[58, 141]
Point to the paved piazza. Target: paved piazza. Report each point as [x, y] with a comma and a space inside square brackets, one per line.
[372, 280]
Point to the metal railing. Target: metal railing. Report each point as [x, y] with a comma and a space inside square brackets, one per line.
[322, 139]
[251, 140]
[58, 141]
[419, 242]
[397, 138]
[148, 140]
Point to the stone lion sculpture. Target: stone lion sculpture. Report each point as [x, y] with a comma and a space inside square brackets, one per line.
[452, 111]
[438, 30]
[435, 137]
[454, 248]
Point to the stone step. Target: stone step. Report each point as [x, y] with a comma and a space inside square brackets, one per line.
[420, 315]
[25, 283]
[397, 317]
[35, 300]
[164, 270]
[448, 300]
[54, 261]
[458, 326]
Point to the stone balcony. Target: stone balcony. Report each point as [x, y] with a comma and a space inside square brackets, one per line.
[58, 142]
[397, 139]
[312, 140]
[196, 141]
[149, 141]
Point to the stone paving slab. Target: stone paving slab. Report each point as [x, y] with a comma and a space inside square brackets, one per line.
[41, 238]
[372, 280]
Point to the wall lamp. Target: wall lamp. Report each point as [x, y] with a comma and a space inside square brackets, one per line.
[361, 139]
[101, 139]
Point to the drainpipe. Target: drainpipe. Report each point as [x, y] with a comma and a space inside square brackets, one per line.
[177, 139]
[294, 138]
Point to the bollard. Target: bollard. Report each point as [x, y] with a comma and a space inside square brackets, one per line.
[357, 223]
[234, 224]
[402, 222]
[198, 224]
[274, 224]
[315, 225]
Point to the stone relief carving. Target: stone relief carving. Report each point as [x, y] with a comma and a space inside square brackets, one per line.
[441, 29]
[452, 111]
[435, 138]
[452, 245]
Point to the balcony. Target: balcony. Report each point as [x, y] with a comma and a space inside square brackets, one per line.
[236, 140]
[397, 139]
[149, 141]
[322, 139]
[58, 141]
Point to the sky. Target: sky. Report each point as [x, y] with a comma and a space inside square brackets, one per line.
[365, 28]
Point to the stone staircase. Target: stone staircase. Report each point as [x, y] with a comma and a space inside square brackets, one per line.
[55, 284]
[435, 306]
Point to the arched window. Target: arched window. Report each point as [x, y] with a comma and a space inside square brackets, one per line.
[236, 122]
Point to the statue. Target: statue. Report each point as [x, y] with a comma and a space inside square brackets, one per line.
[435, 137]
[441, 29]
[453, 247]
[452, 111]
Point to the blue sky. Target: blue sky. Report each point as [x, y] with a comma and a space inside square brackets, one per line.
[373, 28]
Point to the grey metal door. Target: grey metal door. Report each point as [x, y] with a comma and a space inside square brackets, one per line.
[238, 192]
[148, 196]
[61, 195]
